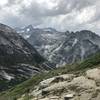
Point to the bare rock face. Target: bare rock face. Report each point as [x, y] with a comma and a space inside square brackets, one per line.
[57, 79]
[62, 47]
[78, 88]
[14, 46]
[18, 59]
[94, 74]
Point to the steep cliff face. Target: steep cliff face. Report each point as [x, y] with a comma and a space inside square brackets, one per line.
[14, 46]
[77, 47]
[18, 59]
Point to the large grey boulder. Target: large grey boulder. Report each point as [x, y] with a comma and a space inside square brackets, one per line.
[94, 74]
[71, 87]
[82, 83]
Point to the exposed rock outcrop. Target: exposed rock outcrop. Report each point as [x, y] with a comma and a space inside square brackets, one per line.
[18, 59]
[62, 47]
[69, 87]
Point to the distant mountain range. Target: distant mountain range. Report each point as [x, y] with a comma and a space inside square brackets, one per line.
[40, 50]
[61, 48]
[28, 51]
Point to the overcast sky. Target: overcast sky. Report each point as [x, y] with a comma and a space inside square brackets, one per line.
[60, 14]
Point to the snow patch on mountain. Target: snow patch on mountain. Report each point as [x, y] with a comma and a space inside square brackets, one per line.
[75, 41]
[28, 30]
[6, 75]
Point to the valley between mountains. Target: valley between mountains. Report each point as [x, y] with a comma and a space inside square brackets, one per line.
[45, 64]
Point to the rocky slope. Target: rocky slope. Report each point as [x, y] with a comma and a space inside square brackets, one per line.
[45, 40]
[73, 82]
[77, 46]
[18, 59]
[81, 84]
[70, 87]
[62, 47]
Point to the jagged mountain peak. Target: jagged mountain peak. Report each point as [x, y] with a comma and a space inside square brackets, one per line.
[64, 47]
[85, 32]
[29, 28]
[25, 31]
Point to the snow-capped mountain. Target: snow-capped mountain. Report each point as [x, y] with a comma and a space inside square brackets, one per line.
[64, 47]
[44, 40]
[25, 31]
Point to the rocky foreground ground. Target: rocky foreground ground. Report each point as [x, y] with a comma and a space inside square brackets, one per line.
[84, 86]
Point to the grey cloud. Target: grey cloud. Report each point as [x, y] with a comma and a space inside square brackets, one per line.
[13, 2]
[61, 16]
[63, 7]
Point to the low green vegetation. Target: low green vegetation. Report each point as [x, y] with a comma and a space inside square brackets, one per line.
[28, 86]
